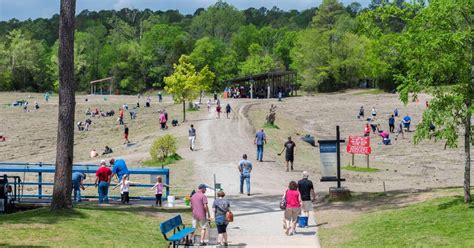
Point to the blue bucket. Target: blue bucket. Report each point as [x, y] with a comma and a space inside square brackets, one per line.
[302, 221]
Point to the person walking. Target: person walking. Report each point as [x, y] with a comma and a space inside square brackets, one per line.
[293, 207]
[306, 189]
[102, 181]
[192, 137]
[221, 207]
[78, 184]
[289, 146]
[361, 113]
[209, 105]
[245, 168]
[218, 111]
[162, 120]
[125, 134]
[391, 123]
[228, 109]
[200, 209]
[160, 96]
[260, 140]
[121, 116]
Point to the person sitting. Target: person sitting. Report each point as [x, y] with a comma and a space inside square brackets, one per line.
[94, 153]
[107, 150]
[88, 123]
[174, 122]
[406, 122]
[80, 126]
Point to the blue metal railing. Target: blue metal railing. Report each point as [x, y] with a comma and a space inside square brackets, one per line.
[40, 168]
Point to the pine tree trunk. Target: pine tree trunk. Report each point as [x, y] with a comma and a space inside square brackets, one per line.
[184, 110]
[65, 141]
[467, 154]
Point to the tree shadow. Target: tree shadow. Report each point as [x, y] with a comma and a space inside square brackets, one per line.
[458, 200]
[41, 216]
[23, 246]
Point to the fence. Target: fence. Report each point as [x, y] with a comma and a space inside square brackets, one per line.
[40, 168]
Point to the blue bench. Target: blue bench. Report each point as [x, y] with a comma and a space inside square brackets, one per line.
[180, 232]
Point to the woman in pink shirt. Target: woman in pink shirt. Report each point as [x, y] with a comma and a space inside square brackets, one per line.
[293, 207]
[162, 120]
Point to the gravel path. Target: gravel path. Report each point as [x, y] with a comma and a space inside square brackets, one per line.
[258, 220]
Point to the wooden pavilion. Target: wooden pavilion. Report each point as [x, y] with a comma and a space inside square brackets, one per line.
[264, 85]
[98, 87]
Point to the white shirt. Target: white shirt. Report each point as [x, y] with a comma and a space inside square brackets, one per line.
[124, 186]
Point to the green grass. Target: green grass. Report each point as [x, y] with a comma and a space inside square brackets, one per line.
[442, 222]
[168, 160]
[86, 226]
[359, 169]
[268, 125]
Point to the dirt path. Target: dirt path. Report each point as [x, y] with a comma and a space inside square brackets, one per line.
[258, 221]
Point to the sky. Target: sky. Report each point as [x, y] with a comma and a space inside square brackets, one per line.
[24, 9]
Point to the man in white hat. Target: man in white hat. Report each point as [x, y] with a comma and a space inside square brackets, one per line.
[102, 181]
[306, 189]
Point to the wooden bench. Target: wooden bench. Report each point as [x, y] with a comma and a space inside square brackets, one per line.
[180, 232]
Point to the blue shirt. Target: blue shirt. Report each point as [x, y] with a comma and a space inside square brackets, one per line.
[391, 121]
[77, 176]
[260, 137]
[245, 167]
[120, 168]
[407, 119]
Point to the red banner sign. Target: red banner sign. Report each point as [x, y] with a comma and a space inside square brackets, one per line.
[359, 145]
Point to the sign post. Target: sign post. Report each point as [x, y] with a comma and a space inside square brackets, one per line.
[331, 166]
[359, 145]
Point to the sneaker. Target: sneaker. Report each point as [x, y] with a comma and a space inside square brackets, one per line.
[202, 243]
[226, 244]
[292, 168]
[248, 194]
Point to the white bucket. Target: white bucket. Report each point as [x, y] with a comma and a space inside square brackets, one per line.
[171, 201]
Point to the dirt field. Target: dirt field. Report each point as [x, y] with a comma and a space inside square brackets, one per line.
[31, 136]
[403, 165]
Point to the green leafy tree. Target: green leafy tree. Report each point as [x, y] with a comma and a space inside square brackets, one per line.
[438, 52]
[257, 62]
[219, 20]
[186, 83]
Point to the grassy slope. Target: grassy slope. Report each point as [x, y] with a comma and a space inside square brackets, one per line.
[443, 222]
[85, 226]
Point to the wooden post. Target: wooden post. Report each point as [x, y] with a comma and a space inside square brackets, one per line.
[368, 161]
[353, 164]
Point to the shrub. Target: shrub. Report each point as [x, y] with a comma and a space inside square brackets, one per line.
[163, 147]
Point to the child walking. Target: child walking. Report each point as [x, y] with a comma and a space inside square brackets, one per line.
[125, 134]
[159, 185]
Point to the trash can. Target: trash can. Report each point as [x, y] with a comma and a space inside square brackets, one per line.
[302, 221]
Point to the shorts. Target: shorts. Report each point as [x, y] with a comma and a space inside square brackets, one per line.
[289, 158]
[307, 206]
[202, 223]
[221, 228]
[125, 136]
[291, 214]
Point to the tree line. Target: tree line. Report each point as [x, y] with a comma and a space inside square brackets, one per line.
[331, 46]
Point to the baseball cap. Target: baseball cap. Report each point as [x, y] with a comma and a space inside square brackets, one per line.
[202, 186]
[305, 174]
[103, 161]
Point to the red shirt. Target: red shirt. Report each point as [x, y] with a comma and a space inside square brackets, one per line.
[292, 199]
[103, 173]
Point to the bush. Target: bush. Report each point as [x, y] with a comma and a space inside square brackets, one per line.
[163, 147]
